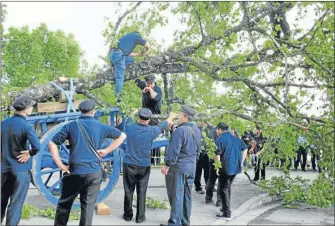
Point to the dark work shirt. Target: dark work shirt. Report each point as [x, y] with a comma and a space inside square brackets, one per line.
[208, 129]
[181, 155]
[128, 42]
[15, 134]
[139, 141]
[147, 102]
[230, 149]
[82, 160]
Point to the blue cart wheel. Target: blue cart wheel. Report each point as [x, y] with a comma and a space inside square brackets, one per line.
[47, 177]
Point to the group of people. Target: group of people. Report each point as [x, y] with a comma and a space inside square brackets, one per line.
[83, 173]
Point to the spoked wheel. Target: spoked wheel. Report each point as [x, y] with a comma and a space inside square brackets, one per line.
[47, 177]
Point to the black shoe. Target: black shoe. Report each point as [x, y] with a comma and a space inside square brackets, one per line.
[255, 179]
[304, 170]
[127, 218]
[200, 192]
[163, 225]
[223, 217]
[218, 203]
[209, 201]
[140, 220]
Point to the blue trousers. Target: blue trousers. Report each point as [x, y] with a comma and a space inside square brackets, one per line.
[14, 189]
[179, 188]
[120, 62]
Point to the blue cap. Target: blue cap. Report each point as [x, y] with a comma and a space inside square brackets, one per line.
[188, 110]
[87, 105]
[145, 113]
[22, 103]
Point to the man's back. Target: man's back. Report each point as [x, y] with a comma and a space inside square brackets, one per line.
[139, 142]
[82, 160]
[232, 148]
[15, 132]
[183, 148]
[128, 42]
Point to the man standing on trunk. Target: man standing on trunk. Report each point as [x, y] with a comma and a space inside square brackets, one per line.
[231, 151]
[136, 163]
[122, 56]
[15, 159]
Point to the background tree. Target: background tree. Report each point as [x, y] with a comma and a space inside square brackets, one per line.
[40, 55]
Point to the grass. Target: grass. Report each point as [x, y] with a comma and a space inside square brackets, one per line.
[50, 213]
[155, 204]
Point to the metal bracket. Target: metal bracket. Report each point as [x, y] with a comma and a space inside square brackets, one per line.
[69, 96]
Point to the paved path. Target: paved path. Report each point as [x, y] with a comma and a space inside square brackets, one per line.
[202, 214]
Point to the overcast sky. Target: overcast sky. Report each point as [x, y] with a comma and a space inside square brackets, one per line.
[84, 19]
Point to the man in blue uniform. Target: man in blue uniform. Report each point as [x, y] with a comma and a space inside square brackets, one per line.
[122, 56]
[180, 165]
[231, 151]
[136, 163]
[15, 159]
[84, 174]
[152, 99]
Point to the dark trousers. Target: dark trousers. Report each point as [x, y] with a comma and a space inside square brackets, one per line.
[202, 164]
[14, 187]
[179, 187]
[259, 168]
[302, 152]
[88, 186]
[211, 183]
[313, 160]
[225, 184]
[135, 176]
[283, 161]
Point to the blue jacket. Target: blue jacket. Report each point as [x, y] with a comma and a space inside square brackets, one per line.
[182, 152]
[82, 159]
[128, 42]
[230, 149]
[15, 134]
[139, 142]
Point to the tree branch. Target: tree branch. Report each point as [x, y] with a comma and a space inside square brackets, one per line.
[200, 23]
[318, 20]
[121, 18]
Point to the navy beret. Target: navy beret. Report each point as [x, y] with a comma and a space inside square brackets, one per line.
[87, 105]
[188, 110]
[149, 78]
[145, 113]
[222, 126]
[22, 103]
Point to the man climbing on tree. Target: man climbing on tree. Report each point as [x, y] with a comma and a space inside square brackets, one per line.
[122, 56]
